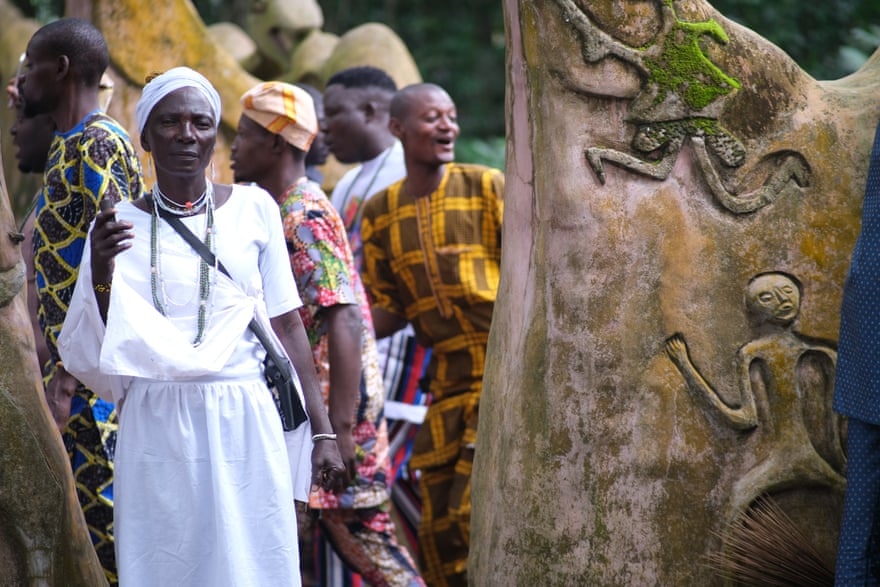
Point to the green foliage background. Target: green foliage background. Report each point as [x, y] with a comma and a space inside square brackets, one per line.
[459, 44]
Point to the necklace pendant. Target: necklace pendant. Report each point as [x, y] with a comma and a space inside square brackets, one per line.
[189, 205]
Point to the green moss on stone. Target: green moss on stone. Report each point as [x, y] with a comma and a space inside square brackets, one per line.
[684, 69]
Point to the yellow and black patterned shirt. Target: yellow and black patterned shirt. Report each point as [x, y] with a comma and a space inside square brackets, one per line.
[435, 261]
[92, 161]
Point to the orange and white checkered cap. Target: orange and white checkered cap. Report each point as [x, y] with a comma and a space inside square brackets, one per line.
[283, 109]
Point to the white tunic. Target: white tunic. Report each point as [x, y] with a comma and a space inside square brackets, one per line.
[204, 476]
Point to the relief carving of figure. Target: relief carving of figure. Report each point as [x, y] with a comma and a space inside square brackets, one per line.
[785, 388]
[682, 95]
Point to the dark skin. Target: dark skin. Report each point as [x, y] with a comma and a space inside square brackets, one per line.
[265, 158]
[180, 134]
[425, 120]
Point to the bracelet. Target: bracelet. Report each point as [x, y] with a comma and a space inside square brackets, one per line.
[318, 437]
[102, 287]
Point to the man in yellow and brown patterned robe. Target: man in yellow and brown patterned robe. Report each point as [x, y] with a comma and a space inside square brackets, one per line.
[432, 252]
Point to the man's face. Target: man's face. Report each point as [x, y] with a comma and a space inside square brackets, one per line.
[429, 128]
[32, 137]
[251, 151]
[39, 81]
[345, 122]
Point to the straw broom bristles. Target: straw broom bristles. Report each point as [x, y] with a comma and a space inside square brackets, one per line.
[765, 548]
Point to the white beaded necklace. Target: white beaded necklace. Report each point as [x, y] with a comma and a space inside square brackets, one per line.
[207, 278]
[188, 209]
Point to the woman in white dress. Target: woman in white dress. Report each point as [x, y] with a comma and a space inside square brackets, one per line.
[205, 477]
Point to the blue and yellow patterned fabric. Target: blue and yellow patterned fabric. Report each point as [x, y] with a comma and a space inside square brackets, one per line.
[92, 161]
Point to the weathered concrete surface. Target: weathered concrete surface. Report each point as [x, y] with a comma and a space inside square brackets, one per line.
[43, 536]
[601, 461]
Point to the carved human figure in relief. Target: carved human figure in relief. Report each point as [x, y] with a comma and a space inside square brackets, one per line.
[682, 95]
[785, 389]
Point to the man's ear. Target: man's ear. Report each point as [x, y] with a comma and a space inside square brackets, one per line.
[145, 144]
[62, 66]
[279, 144]
[395, 127]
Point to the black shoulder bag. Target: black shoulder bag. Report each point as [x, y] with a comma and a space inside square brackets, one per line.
[278, 370]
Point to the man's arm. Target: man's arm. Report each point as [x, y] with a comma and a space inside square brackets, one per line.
[122, 174]
[386, 323]
[327, 467]
[59, 393]
[344, 341]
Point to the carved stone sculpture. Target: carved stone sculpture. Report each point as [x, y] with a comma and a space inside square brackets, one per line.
[43, 536]
[660, 157]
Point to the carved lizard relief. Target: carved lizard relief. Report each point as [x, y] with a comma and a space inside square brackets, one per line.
[681, 95]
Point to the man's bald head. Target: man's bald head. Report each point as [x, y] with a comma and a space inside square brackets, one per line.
[403, 100]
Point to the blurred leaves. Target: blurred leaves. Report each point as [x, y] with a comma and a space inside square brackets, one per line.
[828, 39]
[476, 150]
[862, 43]
[457, 44]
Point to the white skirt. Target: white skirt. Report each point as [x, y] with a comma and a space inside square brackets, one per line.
[203, 488]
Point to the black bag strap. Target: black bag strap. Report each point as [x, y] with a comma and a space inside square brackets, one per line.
[299, 414]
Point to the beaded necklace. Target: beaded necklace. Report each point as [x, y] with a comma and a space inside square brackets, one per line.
[173, 207]
[157, 283]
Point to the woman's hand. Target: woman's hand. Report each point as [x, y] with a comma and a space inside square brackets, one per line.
[328, 472]
[109, 237]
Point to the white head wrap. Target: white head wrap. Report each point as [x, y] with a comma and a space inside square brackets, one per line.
[174, 79]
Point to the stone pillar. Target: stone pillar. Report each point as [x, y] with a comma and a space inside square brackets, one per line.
[681, 205]
[43, 535]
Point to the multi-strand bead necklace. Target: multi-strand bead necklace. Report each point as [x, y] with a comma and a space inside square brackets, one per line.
[157, 283]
